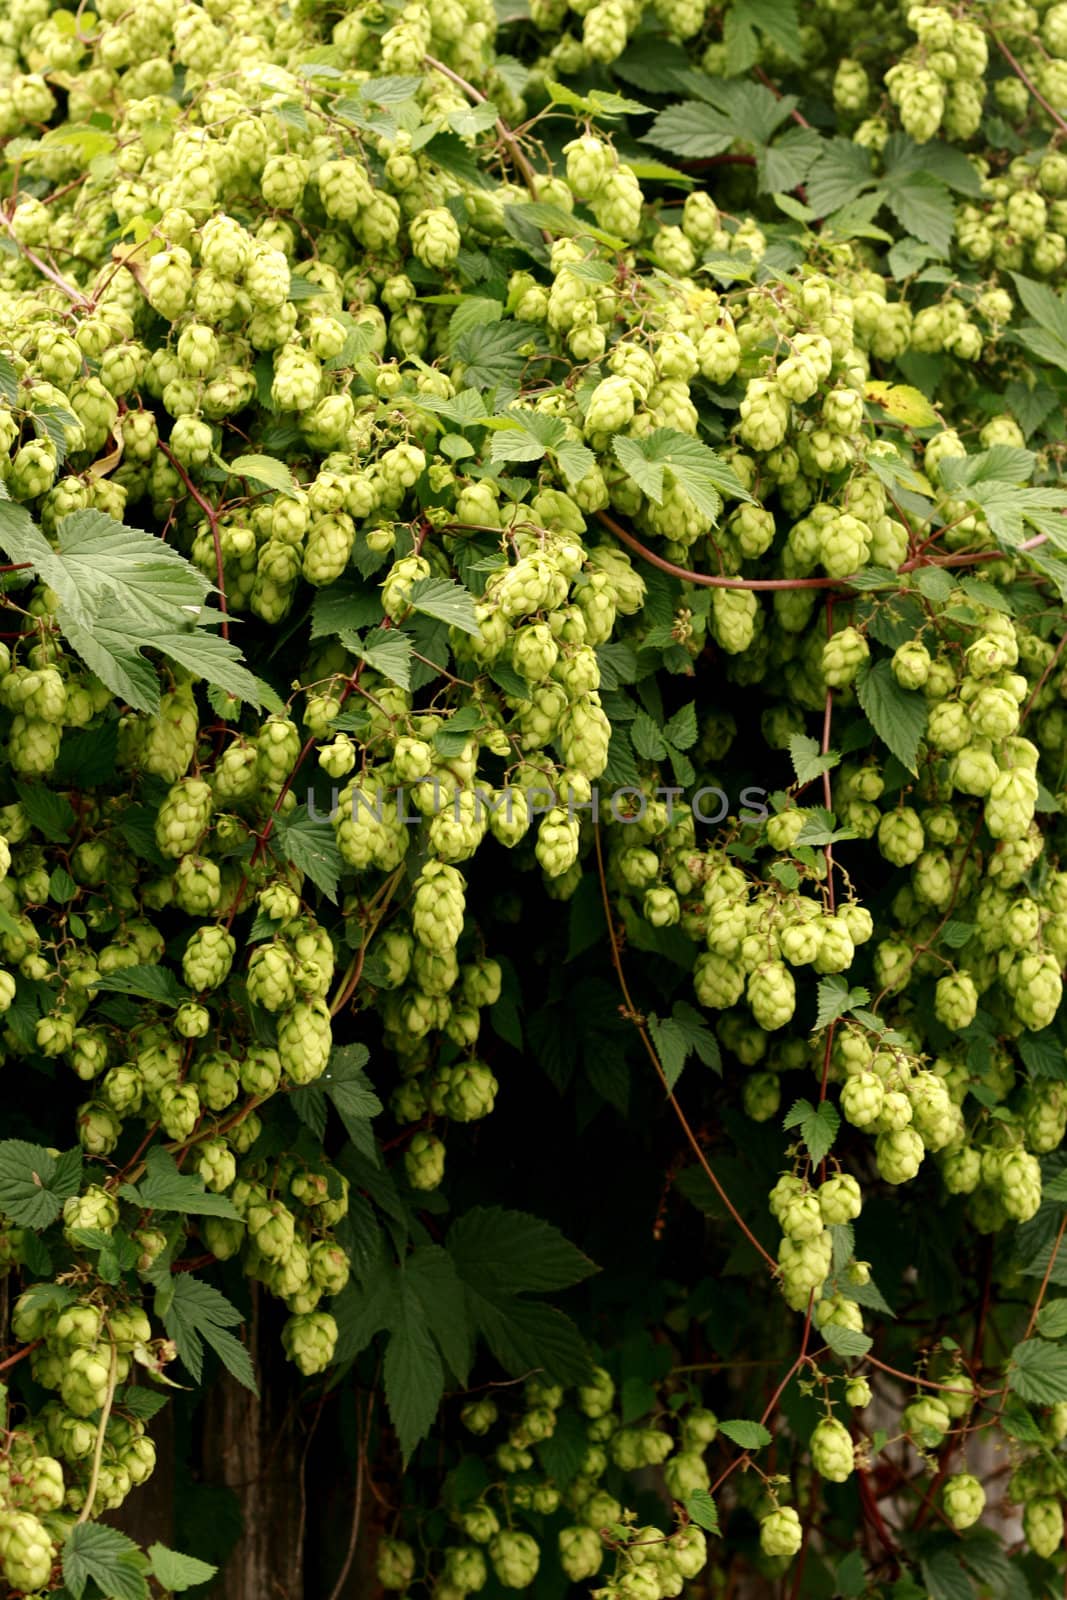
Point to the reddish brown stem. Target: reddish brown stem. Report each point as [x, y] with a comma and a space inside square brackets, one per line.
[634, 1016]
[20, 1355]
[212, 515]
[1029, 83]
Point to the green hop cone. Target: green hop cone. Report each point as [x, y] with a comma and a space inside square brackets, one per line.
[831, 1449]
[305, 1039]
[581, 1552]
[395, 1564]
[310, 1340]
[1043, 1525]
[780, 1533]
[424, 1161]
[927, 1420]
[516, 1558]
[963, 1499]
[26, 1551]
[858, 1393]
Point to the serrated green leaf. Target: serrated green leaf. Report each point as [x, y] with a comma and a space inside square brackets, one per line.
[166, 1188]
[898, 716]
[836, 999]
[104, 1556]
[701, 1509]
[681, 1035]
[311, 845]
[1052, 1320]
[148, 982]
[447, 601]
[923, 206]
[808, 761]
[1038, 1372]
[746, 1435]
[692, 129]
[34, 1183]
[177, 1571]
[195, 1314]
[413, 1374]
[489, 353]
[848, 1342]
[818, 1126]
[265, 470]
[839, 176]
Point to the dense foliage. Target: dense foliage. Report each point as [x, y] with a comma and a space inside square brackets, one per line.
[534, 590]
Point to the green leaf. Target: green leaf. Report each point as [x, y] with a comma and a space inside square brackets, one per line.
[431, 1274]
[50, 813]
[648, 740]
[850, 1580]
[514, 1251]
[351, 1091]
[923, 206]
[311, 845]
[682, 731]
[839, 176]
[818, 1126]
[701, 1509]
[195, 1314]
[1044, 1057]
[692, 129]
[848, 1342]
[694, 467]
[34, 1183]
[1038, 1372]
[106, 1557]
[574, 460]
[1047, 308]
[945, 1578]
[144, 1404]
[414, 1376]
[786, 163]
[746, 1435]
[148, 983]
[522, 434]
[808, 761]
[447, 601]
[121, 591]
[1052, 1320]
[836, 999]
[266, 470]
[898, 716]
[177, 1571]
[490, 353]
[166, 1188]
[677, 1038]
[387, 650]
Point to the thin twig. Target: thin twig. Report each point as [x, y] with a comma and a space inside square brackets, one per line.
[357, 1509]
[98, 1454]
[1038, 1302]
[211, 512]
[1023, 78]
[634, 1016]
[504, 133]
[20, 1355]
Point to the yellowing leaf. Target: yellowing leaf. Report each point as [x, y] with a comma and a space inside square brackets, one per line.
[902, 403]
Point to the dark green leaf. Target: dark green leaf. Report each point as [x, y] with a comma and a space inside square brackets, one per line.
[34, 1183]
[898, 716]
[106, 1557]
[311, 845]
